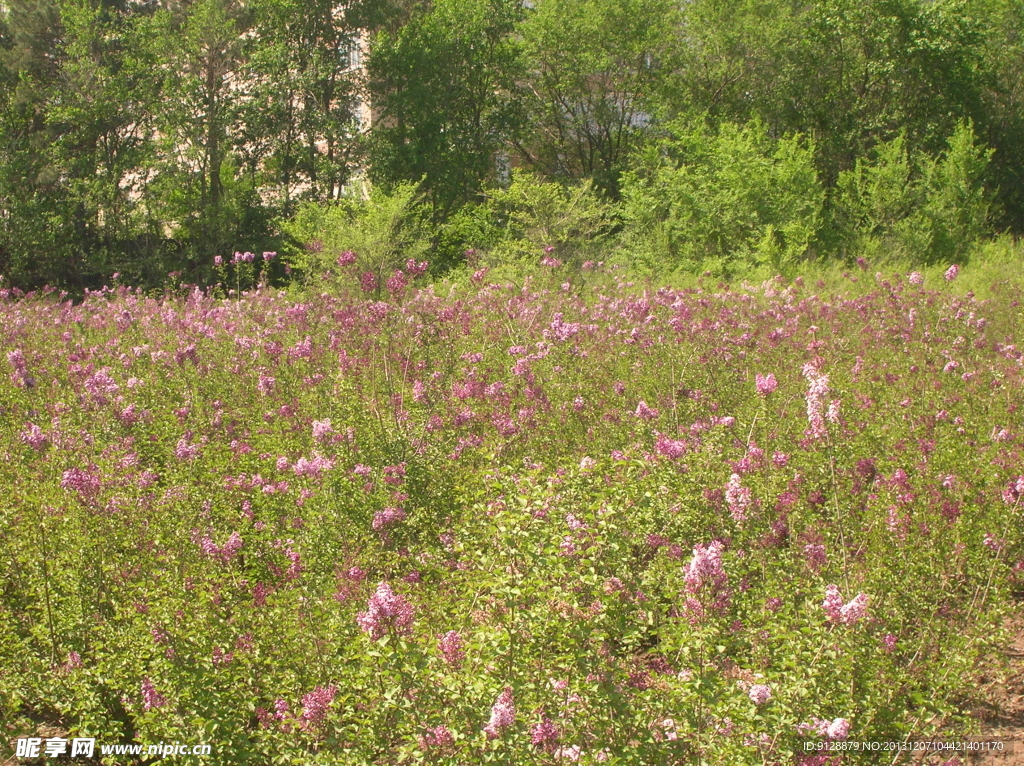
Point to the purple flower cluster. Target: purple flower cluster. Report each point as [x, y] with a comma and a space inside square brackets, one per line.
[545, 734]
[151, 699]
[738, 498]
[817, 394]
[34, 437]
[438, 740]
[452, 648]
[315, 704]
[20, 377]
[503, 714]
[387, 518]
[848, 613]
[765, 384]
[836, 730]
[387, 612]
[644, 412]
[85, 483]
[759, 693]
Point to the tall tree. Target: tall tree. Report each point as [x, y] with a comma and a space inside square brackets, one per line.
[303, 67]
[444, 93]
[195, 190]
[75, 128]
[596, 69]
[849, 73]
[1003, 52]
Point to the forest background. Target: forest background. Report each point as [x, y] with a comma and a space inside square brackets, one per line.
[150, 138]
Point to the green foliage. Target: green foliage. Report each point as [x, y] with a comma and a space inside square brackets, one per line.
[571, 223]
[442, 90]
[591, 488]
[849, 73]
[914, 206]
[469, 231]
[383, 231]
[595, 70]
[1003, 95]
[148, 138]
[717, 200]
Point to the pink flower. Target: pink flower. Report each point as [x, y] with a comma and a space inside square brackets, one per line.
[83, 482]
[439, 738]
[452, 648]
[817, 393]
[503, 714]
[34, 437]
[368, 281]
[545, 734]
[737, 497]
[186, 451]
[415, 269]
[394, 474]
[833, 603]
[760, 693]
[855, 610]
[322, 430]
[838, 612]
[346, 258]
[665, 730]
[397, 282]
[260, 593]
[644, 412]
[315, 704]
[706, 581]
[355, 574]
[387, 517]
[150, 697]
[915, 278]
[992, 543]
[101, 385]
[673, 449]
[765, 384]
[951, 273]
[231, 546]
[816, 557]
[386, 611]
[839, 729]
[1012, 492]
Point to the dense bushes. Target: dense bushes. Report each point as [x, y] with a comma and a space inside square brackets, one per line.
[702, 199]
[556, 522]
[727, 201]
[145, 138]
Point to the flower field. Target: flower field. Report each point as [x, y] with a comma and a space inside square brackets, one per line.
[571, 521]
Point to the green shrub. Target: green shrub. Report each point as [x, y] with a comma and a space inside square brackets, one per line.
[718, 200]
[472, 228]
[537, 215]
[383, 230]
[914, 206]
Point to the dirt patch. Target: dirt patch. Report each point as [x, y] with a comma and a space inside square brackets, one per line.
[1002, 713]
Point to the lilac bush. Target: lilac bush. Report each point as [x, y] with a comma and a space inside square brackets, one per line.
[569, 520]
